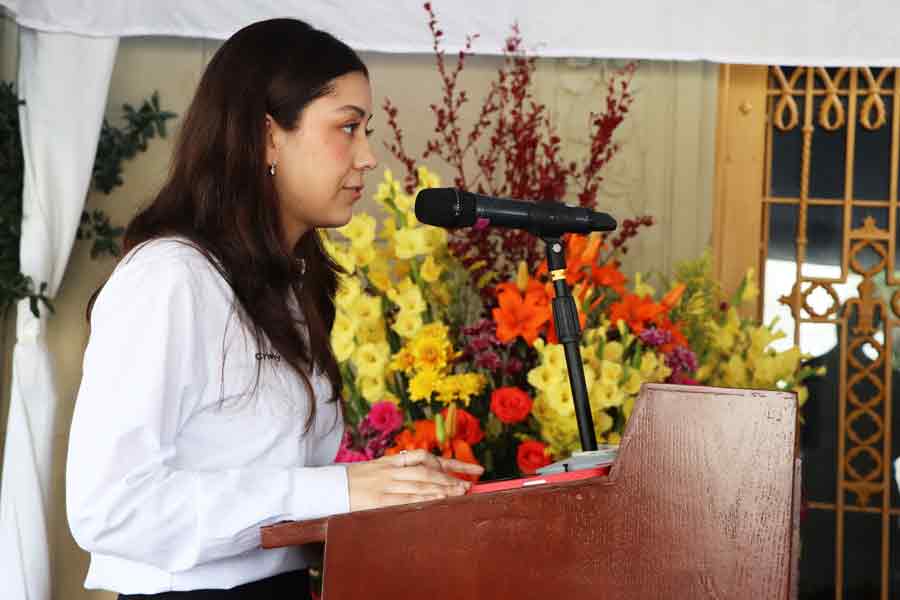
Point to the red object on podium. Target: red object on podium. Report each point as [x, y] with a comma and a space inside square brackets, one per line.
[702, 502]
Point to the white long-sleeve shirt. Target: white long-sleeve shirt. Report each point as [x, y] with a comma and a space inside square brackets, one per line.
[173, 463]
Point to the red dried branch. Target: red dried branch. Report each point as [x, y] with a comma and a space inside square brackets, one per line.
[397, 149]
[516, 151]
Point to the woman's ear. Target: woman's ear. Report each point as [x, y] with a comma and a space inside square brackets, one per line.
[273, 140]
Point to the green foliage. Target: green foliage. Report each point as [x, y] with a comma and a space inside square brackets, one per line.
[702, 304]
[96, 226]
[115, 146]
[14, 286]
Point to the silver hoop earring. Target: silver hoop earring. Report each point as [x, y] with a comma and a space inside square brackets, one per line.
[272, 169]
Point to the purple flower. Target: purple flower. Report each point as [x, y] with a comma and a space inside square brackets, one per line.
[682, 359]
[655, 337]
[488, 360]
[514, 366]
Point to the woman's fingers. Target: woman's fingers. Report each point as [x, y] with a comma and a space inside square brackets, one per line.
[416, 457]
[424, 488]
[421, 457]
[400, 499]
[424, 474]
[458, 466]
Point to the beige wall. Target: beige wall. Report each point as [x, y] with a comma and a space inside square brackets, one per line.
[665, 169]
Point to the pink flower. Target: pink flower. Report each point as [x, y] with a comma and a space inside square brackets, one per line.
[385, 416]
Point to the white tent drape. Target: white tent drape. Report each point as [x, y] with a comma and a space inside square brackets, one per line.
[63, 79]
[820, 32]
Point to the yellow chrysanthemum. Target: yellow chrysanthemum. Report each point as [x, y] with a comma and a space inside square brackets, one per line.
[422, 385]
[430, 353]
[402, 361]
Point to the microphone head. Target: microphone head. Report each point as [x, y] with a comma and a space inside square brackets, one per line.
[445, 207]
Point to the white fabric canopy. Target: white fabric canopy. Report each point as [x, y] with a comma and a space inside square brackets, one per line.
[59, 148]
[820, 32]
[68, 47]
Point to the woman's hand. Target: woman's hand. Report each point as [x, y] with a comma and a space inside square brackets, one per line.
[411, 476]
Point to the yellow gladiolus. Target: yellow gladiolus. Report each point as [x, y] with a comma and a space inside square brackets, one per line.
[343, 345]
[409, 243]
[371, 388]
[371, 332]
[610, 372]
[613, 351]
[602, 423]
[407, 324]
[435, 239]
[641, 287]
[360, 230]
[431, 271]
[407, 296]
[363, 256]
[366, 308]
[370, 359]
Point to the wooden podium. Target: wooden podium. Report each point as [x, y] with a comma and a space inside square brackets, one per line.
[702, 502]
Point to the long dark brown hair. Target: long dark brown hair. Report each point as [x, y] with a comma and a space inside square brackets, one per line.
[220, 197]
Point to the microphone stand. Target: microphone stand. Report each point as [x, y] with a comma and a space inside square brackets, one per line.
[568, 330]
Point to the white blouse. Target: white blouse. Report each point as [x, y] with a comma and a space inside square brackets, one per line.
[174, 460]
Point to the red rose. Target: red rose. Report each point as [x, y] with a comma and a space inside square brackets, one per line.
[468, 427]
[510, 404]
[531, 456]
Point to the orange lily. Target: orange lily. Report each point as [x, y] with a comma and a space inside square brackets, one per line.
[519, 315]
[637, 312]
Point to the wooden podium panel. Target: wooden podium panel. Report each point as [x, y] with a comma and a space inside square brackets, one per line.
[701, 503]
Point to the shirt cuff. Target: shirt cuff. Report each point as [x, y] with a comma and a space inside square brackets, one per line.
[320, 492]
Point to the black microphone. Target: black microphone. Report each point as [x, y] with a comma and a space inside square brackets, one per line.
[449, 207]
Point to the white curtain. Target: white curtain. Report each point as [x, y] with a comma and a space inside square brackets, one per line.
[820, 32]
[63, 79]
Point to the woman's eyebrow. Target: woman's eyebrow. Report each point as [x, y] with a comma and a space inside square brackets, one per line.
[360, 112]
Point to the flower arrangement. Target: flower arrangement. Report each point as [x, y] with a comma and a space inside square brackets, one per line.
[446, 341]
[428, 363]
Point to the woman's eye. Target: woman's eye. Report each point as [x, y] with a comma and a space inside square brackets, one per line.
[350, 128]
